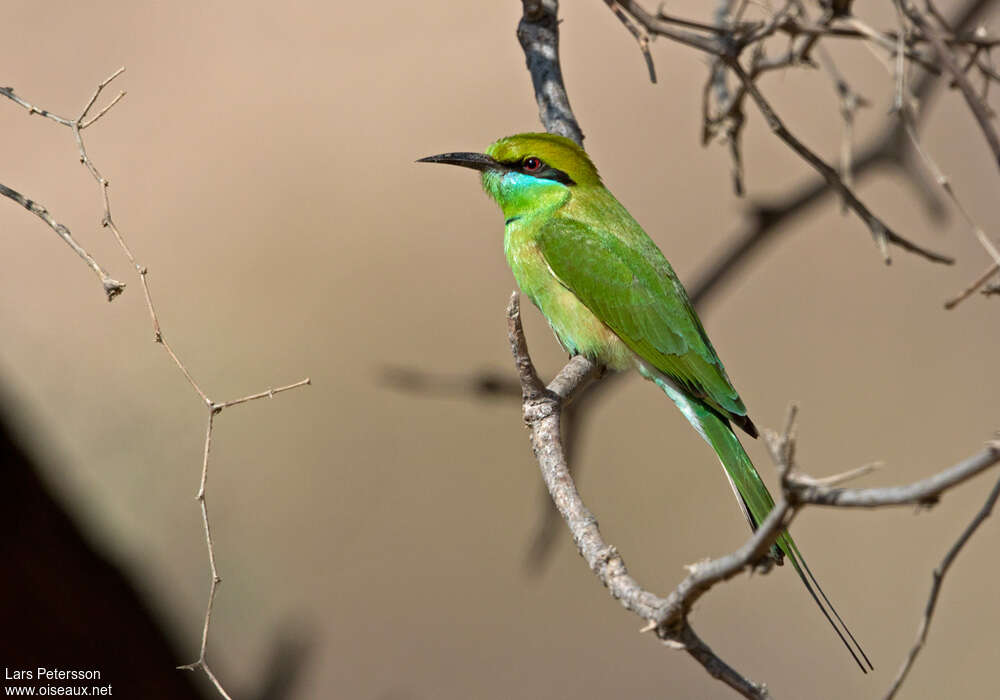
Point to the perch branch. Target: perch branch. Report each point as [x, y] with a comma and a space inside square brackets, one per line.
[538, 33]
[541, 410]
[668, 616]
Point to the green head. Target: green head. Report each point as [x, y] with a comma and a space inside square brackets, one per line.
[528, 172]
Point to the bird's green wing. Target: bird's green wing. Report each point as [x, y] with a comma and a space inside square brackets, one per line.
[631, 287]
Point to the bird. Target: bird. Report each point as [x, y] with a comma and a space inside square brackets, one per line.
[608, 293]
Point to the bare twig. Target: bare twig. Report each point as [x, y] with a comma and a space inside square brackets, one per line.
[32, 109]
[937, 580]
[201, 663]
[269, 394]
[850, 102]
[707, 41]
[879, 230]
[765, 221]
[728, 50]
[213, 410]
[925, 492]
[942, 179]
[835, 479]
[905, 107]
[112, 287]
[972, 287]
[978, 108]
[640, 36]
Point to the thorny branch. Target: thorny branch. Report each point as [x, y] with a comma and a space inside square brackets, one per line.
[113, 288]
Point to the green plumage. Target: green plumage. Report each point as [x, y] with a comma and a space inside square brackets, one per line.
[609, 293]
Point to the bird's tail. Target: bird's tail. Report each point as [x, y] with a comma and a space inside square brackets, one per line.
[756, 502]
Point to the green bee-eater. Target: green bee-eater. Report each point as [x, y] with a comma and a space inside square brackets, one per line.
[609, 294]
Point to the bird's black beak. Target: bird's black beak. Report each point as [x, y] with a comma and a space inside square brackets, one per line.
[476, 161]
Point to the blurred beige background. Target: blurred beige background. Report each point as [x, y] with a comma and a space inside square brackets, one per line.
[262, 168]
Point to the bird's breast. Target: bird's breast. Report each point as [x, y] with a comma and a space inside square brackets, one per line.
[577, 328]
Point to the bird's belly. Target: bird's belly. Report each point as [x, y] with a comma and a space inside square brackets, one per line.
[582, 333]
[576, 326]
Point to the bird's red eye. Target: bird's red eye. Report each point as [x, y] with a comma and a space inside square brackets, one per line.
[531, 164]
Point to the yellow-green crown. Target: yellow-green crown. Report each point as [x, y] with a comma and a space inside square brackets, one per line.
[555, 151]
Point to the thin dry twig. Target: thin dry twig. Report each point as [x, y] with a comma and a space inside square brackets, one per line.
[835, 479]
[889, 148]
[926, 492]
[214, 408]
[972, 287]
[879, 230]
[112, 287]
[945, 183]
[903, 47]
[201, 663]
[905, 106]
[944, 54]
[937, 580]
[727, 46]
[850, 102]
[640, 36]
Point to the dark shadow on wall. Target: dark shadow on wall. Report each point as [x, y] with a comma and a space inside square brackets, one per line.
[63, 605]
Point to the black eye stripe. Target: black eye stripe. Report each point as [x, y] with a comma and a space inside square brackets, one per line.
[546, 172]
[550, 173]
